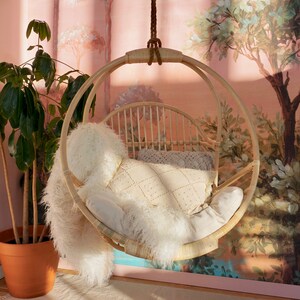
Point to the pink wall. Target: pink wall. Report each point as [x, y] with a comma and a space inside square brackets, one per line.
[14, 17]
[11, 26]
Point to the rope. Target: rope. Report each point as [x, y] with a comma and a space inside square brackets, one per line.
[154, 43]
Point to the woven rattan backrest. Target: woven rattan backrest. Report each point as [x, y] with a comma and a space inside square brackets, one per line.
[157, 126]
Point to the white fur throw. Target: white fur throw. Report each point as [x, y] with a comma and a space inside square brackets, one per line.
[89, 156]
[95, 154]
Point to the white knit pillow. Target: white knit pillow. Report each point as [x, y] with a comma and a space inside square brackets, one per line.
[184, 159]
[163, 185]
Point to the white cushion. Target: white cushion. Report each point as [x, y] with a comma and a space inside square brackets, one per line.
[214, 216]
[184, 159]
[103, 206]
[221, 209]
[161, 184]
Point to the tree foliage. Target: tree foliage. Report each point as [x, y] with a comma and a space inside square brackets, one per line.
[269, 28]
[266, 32]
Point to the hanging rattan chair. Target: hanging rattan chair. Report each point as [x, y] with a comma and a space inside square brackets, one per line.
[164, 136]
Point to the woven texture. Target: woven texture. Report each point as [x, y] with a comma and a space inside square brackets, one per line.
[164, 185]
[187, 159]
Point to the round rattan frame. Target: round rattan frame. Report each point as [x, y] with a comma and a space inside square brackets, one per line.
[120, 242]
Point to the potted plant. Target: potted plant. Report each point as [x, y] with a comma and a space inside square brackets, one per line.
[33, 129]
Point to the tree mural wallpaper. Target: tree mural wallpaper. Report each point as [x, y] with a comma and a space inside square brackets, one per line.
[266, 32]
[265, 246]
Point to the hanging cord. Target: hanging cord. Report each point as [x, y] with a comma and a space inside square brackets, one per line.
[154, 43]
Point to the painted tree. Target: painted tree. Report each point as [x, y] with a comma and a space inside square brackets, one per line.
[79, 39]
[266, 32]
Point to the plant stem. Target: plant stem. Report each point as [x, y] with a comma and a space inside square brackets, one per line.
[10, 204]
[42, 234]
[25, 207]
[34, 201]
[65, 64]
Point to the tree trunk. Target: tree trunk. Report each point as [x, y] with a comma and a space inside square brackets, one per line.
[25, 208]
[8, 192]
[34, 202]
[288, 109]
[289, 136]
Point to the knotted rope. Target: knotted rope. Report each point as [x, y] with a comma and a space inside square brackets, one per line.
[154, 43]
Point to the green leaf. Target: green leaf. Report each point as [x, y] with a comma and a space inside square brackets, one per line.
[35, 46]
[10, 98]
[34, 93]
[26, 72]
[29, 28]
[258, 271]
[48, 31]
[3, 123]
[44, 31]
[26, 126]
[40, 119]
[58, 128]
[11, 144]
[30, 100]
[29, 116]
[53, 123]
[25, 153]
[6, 70]
[52, 109]
[30, 48]
[73, 87]
[44, 68]
[41, 28]
[50, 149]
[14, 120]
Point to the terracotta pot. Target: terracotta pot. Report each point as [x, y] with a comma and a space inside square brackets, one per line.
[29, 269]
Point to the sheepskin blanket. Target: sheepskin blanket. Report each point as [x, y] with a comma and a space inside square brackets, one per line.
[160, 205]
[94, 154]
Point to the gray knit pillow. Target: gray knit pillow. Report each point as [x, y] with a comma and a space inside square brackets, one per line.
[183, 159]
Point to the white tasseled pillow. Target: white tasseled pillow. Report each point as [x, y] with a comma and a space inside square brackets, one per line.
[162, 184]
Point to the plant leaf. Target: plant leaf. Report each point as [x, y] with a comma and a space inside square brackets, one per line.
[50, 149]
[40, 120]
[11, 144]
[14, 120]
[44, 68]
[73, 86]
[29, 28]
[26, 125]
[29, 99]
[52, 109]
[24, 155]
[10, 98]
[3, 123]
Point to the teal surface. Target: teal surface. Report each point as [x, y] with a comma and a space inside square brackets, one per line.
[122, 258]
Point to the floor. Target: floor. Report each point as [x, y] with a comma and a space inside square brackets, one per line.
[71, 287]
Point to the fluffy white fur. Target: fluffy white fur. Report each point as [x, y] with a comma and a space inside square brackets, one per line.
[74, 237]
[94, 154]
